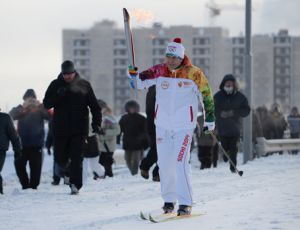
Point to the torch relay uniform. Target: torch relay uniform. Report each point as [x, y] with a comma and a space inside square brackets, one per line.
[178, 94]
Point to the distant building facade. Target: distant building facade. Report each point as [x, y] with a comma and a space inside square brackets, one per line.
[100, 55]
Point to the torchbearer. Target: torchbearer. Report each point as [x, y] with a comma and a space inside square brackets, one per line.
[180, 88]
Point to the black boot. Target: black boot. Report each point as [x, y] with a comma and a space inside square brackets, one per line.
[55, 182]
[225, 159]
[184, 210]
[156, 178]
[96, 176]
[108, 171]
[232, 169]
[74, 189]
[168, 207]
[145, 174]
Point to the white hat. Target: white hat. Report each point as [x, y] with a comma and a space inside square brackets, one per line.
[175, 49]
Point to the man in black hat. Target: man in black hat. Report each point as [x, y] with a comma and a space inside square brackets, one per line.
[72, 97]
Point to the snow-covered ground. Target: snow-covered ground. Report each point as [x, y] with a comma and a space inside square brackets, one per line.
[266, 197]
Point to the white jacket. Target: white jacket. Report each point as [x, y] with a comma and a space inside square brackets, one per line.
[178, 95]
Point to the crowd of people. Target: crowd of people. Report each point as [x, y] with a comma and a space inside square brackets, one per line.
[83, 132]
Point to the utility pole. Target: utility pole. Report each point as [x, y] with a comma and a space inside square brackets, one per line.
[247, 123]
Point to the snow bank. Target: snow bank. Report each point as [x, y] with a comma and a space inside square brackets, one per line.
[266, 197]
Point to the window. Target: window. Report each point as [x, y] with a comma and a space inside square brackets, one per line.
[282, 39]
[158, 51]
[238, 40]
[238, 70]
[201, 41]
[238, 61]
[120, 61]
[201, 61]
[160, 41]
[120, 72]
[81, 42]
[120, 42]
[120, 52]
[201, 51]
[81, 62]
[81, 52]
[282, 50]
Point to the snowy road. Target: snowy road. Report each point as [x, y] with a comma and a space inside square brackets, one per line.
[267, 197]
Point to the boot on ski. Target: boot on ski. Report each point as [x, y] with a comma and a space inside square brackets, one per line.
[168, 207]
[184, 210]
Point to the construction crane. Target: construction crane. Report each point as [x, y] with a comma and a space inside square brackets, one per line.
[216, 9]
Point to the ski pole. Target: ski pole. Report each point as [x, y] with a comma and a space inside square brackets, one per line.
[240, 173]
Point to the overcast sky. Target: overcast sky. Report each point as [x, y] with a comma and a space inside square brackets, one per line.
[31, 31]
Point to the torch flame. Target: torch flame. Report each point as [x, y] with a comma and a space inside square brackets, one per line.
[142, 16]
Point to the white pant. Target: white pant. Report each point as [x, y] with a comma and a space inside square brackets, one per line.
[92, 165]
[173, 150]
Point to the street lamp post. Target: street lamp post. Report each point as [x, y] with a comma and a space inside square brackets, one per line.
[247, 124]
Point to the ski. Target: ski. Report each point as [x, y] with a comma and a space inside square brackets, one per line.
[168, 218]
[145, 216]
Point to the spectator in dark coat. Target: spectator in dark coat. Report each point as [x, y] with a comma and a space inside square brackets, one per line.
[257, 130]
[151, 157]
[72, 97]
[133, 126]
[8, 134]
[207, 146]
[294, 124]
[268, 127]
[30, 116]
[230, 106]
[278, 120]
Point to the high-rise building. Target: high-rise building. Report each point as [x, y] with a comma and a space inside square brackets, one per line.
[100, 55]
[275, 68]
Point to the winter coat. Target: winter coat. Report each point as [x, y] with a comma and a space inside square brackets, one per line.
[203, 139]
[268, 127]
[31, 116]
[8, 133]
[133, 127]
[236, 102]
[280, 124]
[178, 94]
[111, 130]
[257, 130]
[71, 102]
[294, 123]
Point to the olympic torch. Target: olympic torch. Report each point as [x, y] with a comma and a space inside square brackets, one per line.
[129, 43]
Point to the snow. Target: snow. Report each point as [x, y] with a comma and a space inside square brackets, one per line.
[266, 197]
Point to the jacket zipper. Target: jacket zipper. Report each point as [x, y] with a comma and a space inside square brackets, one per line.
[156, 109]
[191, 114]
